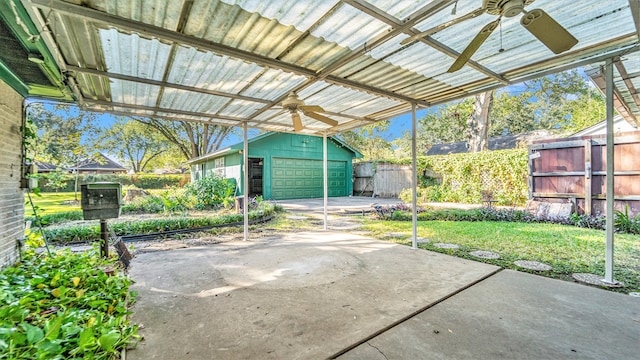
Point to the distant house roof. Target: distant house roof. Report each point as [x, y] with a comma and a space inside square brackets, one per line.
[45, 166]
[99, 162]
[495, 143]
[240, 145]
[620, 125]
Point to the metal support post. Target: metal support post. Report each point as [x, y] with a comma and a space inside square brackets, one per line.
[608, 74]
[325, 178]
[245, 181]
[414, 180]
[104, 239]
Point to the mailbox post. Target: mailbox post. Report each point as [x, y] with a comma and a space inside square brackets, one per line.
[101, 200]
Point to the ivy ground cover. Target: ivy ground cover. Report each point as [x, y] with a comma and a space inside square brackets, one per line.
[65, 306]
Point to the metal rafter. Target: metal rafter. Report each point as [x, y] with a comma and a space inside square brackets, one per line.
[392, 21]
[162, 110]
[163, 84]
[171, 36]
[629, 84]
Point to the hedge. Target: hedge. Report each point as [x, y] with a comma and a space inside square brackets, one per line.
[463, 177]
[142, 181]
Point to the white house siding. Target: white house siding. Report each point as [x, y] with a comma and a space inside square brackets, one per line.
[11, 196]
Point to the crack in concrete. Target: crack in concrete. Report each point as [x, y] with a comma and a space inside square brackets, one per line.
[380, 351]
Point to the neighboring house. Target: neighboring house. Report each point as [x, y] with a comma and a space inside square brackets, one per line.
[495, 143]
[100, 164]
[283, 166]
[45, 167]
[620, 126]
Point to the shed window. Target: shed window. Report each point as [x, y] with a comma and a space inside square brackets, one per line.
[218, 167]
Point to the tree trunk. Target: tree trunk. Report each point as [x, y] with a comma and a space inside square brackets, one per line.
[478, 122]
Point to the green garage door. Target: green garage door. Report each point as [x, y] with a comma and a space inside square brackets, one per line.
[302, 178]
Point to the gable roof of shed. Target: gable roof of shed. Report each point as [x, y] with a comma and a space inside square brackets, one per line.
[240, 146]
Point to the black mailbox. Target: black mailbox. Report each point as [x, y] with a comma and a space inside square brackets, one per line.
[101, 200]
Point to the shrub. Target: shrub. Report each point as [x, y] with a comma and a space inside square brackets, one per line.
[142, 181]
[625, 223]
[49, 219]
[90, 232]
[174, 200]
[212, 192]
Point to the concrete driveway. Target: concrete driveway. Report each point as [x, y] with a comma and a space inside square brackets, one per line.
[316, 294]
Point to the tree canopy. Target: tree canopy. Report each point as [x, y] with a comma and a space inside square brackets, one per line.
[191, 139]
[135, 143]
[561, 103]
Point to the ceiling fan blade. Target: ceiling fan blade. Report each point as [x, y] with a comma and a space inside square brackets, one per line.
[548, 31]
[314, 108]
[321, 118]
[474, 45]
[297, 122]
[443, 26]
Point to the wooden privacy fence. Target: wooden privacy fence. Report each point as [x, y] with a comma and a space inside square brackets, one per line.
[381, 179]
[575, 170]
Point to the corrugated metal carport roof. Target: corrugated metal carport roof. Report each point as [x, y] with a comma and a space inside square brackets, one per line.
[228, 62]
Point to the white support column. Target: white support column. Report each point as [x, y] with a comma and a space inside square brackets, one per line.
[608, 75]
[245, 180]
[325, 180]
[414, 180]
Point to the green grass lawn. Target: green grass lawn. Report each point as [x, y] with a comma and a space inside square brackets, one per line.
[51, 203]
[567, 249]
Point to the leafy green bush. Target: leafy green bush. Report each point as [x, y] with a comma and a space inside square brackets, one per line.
[142, 181]
[90, 232]
[174, 200]
[465, 176]
[212, 192]
[56, 180]
[625, 223]
[63, 307]
[55, 218]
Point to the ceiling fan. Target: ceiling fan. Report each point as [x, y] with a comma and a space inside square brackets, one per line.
[294, 104]
[537, 21]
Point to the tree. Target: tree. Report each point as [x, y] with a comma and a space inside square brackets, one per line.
[134, 142]
[478, 122]
[370, 141]
[510, 115]
[447, 123]
[587, 110]
[60, 128]
[559, 103]
[192, 139]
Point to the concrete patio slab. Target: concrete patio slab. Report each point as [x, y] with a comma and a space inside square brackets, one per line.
[339, 205]
[514, 315]
[305, 296]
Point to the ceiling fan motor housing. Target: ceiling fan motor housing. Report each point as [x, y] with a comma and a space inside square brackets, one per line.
[506, 8]
[292, 102]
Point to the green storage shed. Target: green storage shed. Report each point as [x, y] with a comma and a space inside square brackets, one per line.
[283, 166]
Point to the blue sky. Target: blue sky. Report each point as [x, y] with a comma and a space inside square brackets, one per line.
[397, 127]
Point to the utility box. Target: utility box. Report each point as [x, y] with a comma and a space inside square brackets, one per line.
[101, 200]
